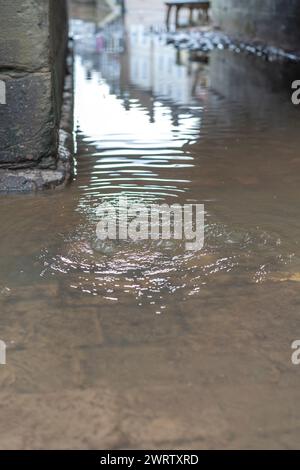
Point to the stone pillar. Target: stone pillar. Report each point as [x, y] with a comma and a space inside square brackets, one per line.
[33, 48]
[271, 22]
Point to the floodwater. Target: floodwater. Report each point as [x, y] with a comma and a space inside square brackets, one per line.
[146, 345]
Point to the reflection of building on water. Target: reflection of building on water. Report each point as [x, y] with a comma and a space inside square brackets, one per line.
[152, 65]
[100, 47]
[99, 11]
[161, 69]
[101, 36]
[139, 107]
[111, 38]
[93, 38]
[137, 134]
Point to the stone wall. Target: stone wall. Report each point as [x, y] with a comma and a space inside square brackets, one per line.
[33, 48]
[274, 22]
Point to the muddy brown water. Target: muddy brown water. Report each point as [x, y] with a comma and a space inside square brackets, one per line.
[146, 346]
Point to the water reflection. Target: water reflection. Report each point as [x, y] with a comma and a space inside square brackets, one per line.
[157, 125]
[139, 129]
[148, 344]
[154, 125]
[159, 69]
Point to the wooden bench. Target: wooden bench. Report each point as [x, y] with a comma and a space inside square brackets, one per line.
[192, 5]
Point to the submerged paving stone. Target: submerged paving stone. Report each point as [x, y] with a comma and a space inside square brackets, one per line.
[36, 369]
[55, 420]
[128, 326]
[29, 326]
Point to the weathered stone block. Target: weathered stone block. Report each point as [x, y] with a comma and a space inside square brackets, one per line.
[28, 133]
[33, 49]
[24, 34]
